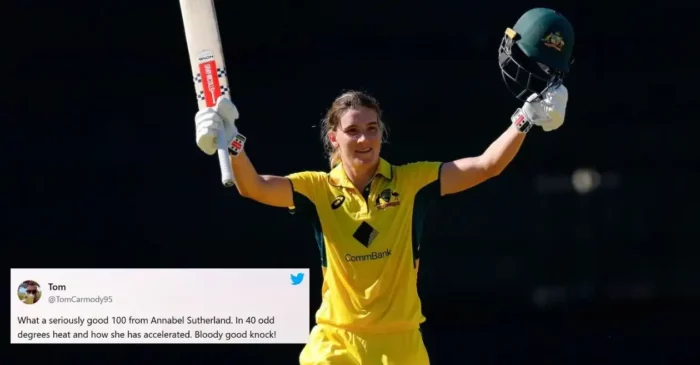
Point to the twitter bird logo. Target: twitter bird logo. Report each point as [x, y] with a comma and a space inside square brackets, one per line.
[297, 279]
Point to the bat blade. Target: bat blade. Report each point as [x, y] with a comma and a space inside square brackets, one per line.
[208, 67]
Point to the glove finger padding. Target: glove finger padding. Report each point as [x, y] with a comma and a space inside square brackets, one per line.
[534, 110]
[229, 114]
[207, 124]
[226, 109]
[554, 105]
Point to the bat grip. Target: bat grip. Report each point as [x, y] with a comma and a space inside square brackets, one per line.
[224, 160]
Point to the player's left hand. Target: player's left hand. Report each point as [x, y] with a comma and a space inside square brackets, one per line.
[549, 111]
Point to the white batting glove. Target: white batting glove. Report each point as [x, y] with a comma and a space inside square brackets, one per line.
[547, 112]
[208, 122]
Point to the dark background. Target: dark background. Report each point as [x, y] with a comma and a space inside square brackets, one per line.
[522, 269]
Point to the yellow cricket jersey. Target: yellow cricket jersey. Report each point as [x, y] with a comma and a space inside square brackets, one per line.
[369, 246]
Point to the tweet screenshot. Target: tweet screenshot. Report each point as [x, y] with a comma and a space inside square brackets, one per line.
[118, 306]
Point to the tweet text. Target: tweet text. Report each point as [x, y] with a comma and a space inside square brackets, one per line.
[164, 306]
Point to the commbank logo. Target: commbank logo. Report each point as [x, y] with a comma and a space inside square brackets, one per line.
[377, 255]
[337, 202]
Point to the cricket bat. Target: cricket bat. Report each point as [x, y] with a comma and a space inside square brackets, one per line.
[208, 67]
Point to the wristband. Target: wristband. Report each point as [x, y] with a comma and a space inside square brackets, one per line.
[236, 145]
[520, 121]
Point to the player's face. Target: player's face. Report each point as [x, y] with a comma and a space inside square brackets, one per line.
[358, 136]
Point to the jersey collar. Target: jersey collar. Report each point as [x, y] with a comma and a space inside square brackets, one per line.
[338, 177]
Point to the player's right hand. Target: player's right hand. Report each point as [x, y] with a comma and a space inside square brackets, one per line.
[208, 122]
[547, 111]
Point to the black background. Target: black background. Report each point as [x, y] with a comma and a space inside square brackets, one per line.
[107, 172]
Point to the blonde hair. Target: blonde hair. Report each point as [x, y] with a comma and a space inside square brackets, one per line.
[346, 101]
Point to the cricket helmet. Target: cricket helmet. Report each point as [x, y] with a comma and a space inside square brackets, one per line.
[542, 56]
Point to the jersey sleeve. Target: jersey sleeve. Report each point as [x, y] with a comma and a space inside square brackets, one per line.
[306, 187]
[422, 178]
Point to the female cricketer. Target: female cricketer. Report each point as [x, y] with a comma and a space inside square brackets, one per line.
[368, 213]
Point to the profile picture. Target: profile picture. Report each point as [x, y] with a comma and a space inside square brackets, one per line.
[29, 292]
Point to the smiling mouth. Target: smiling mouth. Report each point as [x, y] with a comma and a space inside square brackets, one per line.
[364, 151]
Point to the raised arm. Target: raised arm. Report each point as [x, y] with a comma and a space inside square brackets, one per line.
[267, 189]
[464, 173]
[547, 112]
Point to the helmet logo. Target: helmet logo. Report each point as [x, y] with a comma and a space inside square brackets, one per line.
[554, 40]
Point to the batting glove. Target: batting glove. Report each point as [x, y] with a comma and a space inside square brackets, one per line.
[209, 121]
[547, 112]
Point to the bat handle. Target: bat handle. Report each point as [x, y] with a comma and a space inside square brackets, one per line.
[224, 160]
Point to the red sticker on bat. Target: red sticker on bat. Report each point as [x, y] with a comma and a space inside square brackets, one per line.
[210, 77]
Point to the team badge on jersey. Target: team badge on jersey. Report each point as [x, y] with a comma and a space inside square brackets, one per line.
[387, 198]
